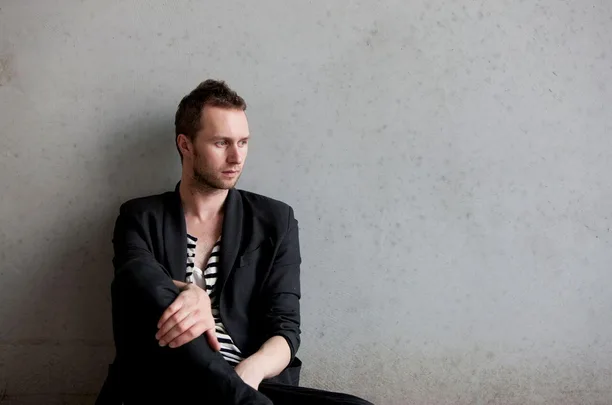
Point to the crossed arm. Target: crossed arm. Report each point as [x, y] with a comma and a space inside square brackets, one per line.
[189, 316]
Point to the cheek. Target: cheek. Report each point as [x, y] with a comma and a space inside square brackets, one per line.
[210, 156]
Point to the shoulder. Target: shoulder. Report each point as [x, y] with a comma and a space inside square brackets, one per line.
[267, 207]
[152, 203]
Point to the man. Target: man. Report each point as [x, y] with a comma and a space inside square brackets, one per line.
[206, 289]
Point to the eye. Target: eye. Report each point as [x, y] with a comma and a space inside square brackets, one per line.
[243, 142]
[220, 143]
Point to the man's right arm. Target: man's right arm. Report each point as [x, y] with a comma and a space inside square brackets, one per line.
[131, 241]
[141, 291]
[190, 315]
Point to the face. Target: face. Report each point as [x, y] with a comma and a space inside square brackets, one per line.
[216, 156]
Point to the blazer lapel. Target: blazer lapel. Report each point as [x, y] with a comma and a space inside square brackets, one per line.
[231, 236]
[175, 236]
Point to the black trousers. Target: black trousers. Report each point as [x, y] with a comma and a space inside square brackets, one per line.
[146, 373]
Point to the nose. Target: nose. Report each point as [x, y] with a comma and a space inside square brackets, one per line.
[235, 155]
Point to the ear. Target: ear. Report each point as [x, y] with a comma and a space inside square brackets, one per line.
[184, 145]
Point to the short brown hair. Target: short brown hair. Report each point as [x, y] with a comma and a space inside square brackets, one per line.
[214, 93]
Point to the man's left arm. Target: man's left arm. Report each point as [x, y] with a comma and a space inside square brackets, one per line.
[269, 361]
[282, 317]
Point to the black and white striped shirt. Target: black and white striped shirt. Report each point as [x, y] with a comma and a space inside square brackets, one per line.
[207, 280]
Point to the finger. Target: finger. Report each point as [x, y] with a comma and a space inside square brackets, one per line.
[184, 326]
[187, 336]
[211, 337]
[171, 310]
[171, 323]
[179, 284]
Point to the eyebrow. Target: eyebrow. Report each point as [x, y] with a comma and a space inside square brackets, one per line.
[220, 137]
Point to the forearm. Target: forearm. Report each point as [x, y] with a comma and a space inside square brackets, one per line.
[273, 356]
[140, 294]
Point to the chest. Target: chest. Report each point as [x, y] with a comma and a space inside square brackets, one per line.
[207, 233]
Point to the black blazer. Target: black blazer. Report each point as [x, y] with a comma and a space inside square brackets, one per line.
[259, 269]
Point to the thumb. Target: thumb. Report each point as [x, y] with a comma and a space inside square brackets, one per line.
[211, 337]
[179, 284]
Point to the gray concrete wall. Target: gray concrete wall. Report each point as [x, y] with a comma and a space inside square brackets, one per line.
[449, 162]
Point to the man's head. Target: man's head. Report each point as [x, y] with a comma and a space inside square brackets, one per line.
[211, 135]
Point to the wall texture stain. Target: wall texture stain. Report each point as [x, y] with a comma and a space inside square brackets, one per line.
[6, 69]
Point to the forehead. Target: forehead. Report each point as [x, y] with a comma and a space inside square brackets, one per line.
[217, 121]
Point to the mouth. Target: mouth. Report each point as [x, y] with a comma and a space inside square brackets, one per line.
[230, 172]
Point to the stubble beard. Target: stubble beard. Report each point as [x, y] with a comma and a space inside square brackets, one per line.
[208, 181]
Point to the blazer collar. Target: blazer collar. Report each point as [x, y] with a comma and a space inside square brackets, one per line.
[175, 239]
[231, 237]
[175, 236]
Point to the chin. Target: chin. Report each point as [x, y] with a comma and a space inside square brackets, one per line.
[226, 185]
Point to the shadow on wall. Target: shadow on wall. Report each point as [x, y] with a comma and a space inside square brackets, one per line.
[67, 302]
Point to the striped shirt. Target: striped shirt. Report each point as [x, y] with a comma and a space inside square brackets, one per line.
[207, 280]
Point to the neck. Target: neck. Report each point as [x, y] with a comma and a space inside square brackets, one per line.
[201, 203]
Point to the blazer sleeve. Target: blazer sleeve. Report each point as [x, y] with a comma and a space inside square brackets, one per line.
[282, 289]
[132, 242]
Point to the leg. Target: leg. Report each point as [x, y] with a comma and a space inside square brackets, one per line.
[149, 373]
[290, 395]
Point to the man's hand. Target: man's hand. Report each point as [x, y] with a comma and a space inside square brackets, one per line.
[250, 371]
[189, 316]
[271, 358]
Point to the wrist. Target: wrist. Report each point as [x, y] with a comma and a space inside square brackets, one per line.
[259, 361]
[184, 286]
